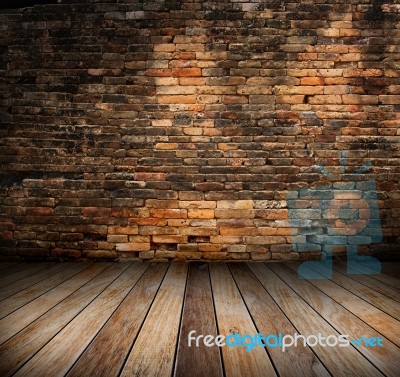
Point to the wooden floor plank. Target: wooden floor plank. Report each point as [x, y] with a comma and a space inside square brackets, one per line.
[369, 295]
[28, 313]
[63, 320]
[198, 315]
[380, 321]
[59, 355]
[21, 298]
[30, 280]
[262, 308]
[154, 349]
[232, 316]
[106, 354]
[309, 322]
[393, 281]
[15, 268]
[22, 271]
[6, 266]
[371, 282]
[384, 358]
[16, 351]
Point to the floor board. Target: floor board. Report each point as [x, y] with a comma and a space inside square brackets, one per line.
[20, 271]
[159, 333]
[198, 316]
[263, 308]
[106, 354]
[134, 319]
[233, 317]
[306, 320]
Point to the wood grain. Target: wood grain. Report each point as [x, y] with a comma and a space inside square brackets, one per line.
[23, 270]
[16, 351]
[21, 298]
[25, 315]
[392, 281]
[371, 282]
[232, 316]
[384, 358]
[7, 266]
[198, 315]
[106, 354]
[59, 355]
[376, 318]
[309, 322]
[30, 280]
[154, 350]
[269, 319]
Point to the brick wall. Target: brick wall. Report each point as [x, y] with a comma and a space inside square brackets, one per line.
[176, 129]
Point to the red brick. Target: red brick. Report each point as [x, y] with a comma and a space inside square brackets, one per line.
[169, 239]
[186, 72]
[201, 213]
[40, 211]
[160, 72]
[133, 229]
[96, 212]
[169, 213]
[150, 176]
[132, 247]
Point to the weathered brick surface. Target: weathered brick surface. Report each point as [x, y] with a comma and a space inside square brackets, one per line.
[174, 130]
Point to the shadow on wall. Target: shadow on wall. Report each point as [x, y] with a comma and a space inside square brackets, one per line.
[15, 4]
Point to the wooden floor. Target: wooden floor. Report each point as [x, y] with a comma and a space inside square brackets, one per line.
[133, 319]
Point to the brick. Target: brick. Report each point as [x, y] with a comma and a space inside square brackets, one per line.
[144, 255]
[178, 222]
[225, 231]
[166, 146]
[147, 221]
[389, 99]
[95, 254]
[290, 99]
[209, 247]
[116, 230]
[133, 247]
[265, 240]
[198, 138]
[235, 204]
[180, 99]
[255, 256]
[169, 239]
[187, 255]
[169, 213]
[235, 248]
[226, 239]
[234, 213]
[360, 99]
[161, 72]
[117, 238]
[40, 211]
[150, 176]
[186, 72]
[201, 213]
[192, 81]
[168, 47]
[198, 231]
[197, 204]
[154, 203]
[215, 255]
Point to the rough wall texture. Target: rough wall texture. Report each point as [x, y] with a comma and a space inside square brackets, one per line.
[176, 129]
